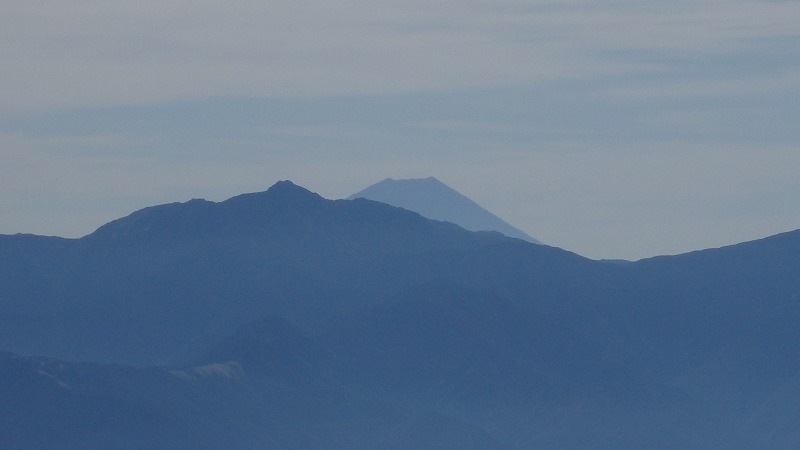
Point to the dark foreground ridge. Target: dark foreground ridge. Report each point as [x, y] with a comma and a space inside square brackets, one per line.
[281, 319]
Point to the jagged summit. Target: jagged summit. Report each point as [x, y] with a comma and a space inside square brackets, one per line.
[281, 193]
[435, 200]
[283, 208]
[285, 188]
[198, 215]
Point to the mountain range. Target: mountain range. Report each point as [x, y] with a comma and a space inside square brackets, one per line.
[435, 200]
[281, 319]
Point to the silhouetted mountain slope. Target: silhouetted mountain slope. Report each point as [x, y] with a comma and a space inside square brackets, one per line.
[467, 350]
[661, 375]
[408, 332]
[278, 208]
[167, 276]
[739, 302]
[49, 404]
[435, 200]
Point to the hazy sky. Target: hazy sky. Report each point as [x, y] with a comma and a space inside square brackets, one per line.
[615, 129]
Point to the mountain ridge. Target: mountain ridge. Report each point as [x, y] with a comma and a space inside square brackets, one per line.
[306, 299]
[436, 200]
[207, 215]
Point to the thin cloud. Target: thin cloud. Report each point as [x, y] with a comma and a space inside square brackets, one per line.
[601, 119]
[94, 53]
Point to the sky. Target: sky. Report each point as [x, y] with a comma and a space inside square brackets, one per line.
[614, 129]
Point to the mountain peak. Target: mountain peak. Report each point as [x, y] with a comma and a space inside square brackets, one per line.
[281, 193]
[285, 186]
[289, 190]
[239, 212]
[436, 200]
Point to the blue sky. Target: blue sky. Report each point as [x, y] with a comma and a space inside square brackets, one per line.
[614, 129]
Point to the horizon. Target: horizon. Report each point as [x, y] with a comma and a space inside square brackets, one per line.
[616, 130]
[394, 179]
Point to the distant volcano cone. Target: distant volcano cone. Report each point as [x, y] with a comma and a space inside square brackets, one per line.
[435, 200]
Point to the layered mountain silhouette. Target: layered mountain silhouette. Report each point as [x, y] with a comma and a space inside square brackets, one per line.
[281, 319]
[435, 200]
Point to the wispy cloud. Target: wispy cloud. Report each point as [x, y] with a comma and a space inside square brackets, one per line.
[95, 53]
[594, 125]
